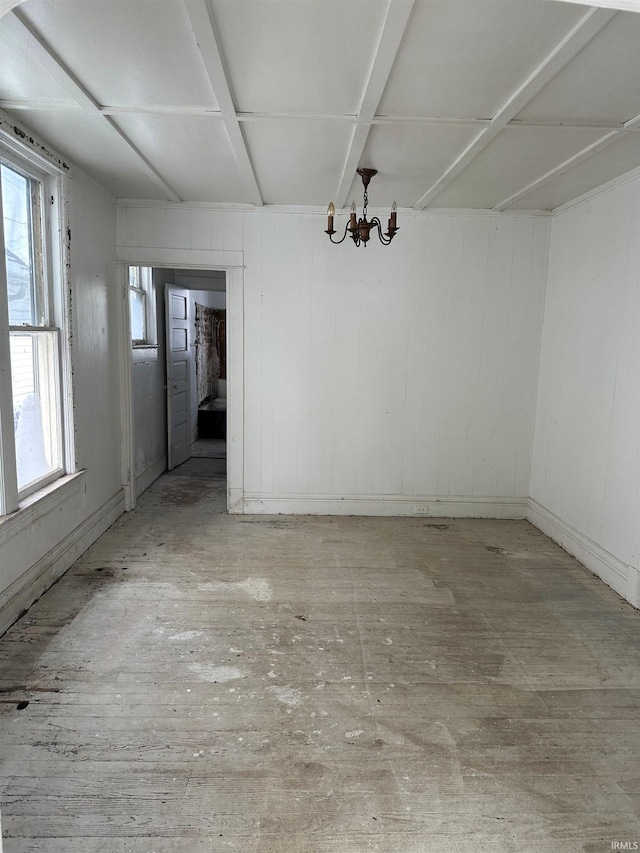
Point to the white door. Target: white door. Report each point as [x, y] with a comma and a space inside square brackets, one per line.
[178, 380]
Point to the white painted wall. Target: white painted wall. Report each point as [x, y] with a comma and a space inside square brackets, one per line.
[30, 559]
[204, 280]
[379, 377]
[209, 298]
[95, 342]
[586, 463]
[148, 384]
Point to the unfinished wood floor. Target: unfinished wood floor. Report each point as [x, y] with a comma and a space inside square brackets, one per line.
[198, 682]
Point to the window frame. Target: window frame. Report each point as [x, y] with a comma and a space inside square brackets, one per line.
[54, 313]
[146, 289]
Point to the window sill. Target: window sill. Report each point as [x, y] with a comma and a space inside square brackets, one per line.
[144, 352]
[39, 504]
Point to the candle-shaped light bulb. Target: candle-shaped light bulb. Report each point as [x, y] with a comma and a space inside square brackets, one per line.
[353, 222]
[394, 210]
[330, 213]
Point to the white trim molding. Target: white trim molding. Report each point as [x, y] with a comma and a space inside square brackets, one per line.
[313, 209]
[151, 256]
[28, 37]
[623, 578]
[626, 5]
[26, 589]
[207, 41]
[597, 191]
[39, 504]
[581, 34]
[393, 28]
[448, 506]
[125, 362]
[235, 388]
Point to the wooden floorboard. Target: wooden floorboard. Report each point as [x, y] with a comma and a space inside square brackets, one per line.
[204, 682]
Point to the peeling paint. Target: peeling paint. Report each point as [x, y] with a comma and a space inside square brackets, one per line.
[186, 635]
[289, 696]
[33, 143]
[208, 672]
[258, 588]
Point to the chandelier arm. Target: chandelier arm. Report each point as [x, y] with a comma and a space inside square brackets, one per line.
[344, 236]
[384, 239]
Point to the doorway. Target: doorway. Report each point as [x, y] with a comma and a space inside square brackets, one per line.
[198, 265]
[196, 309]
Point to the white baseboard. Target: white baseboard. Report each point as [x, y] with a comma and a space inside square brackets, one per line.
[150, 475]
[26, 589]
[235, 504]
[440, 507]
[624, 579]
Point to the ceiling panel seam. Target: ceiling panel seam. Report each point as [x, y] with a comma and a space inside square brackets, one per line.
[35, 57]
[37, 46]
[393, 29]
[581, 34]
[206, 38]
[378, 119]
[586, 153]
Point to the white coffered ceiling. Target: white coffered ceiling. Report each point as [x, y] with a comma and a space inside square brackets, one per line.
[499, 104]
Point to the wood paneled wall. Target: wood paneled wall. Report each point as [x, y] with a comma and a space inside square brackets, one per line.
[379, 376]
[585, 484]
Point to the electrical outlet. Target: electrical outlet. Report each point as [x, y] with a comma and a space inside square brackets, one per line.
[421, 509]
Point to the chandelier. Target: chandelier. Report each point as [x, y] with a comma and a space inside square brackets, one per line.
[360, 229]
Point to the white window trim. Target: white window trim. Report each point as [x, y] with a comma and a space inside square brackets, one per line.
[39, 504]
[58, 294]
[150, 342]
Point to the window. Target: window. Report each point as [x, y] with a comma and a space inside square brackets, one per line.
[142, 307]
[32, 418]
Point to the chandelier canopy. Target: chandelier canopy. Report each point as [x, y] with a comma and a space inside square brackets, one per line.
[360, 229]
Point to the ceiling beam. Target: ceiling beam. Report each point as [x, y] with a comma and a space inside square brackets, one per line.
[395, 23]
[581, 34]
[207, 41]
[600, 144]
[628, 5]
[30, 39]
[445, 121]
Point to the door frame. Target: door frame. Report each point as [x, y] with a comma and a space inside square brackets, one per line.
[232, 263]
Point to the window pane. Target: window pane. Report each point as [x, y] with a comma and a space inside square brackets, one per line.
[36, 405]
[137, 300]
[16, 209]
